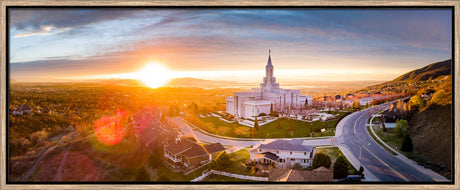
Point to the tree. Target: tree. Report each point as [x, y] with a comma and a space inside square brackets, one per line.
[142, 175]
[340, 167]
[401, 127]
[356, 104]
[291, 126]
[416, 102]
[221, 161]
[407, 145]
[255, 129]
[361, 171]
[440, 97]
[321, 159]
[271, 109]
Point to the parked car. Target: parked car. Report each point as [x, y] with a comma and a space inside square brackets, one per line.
[352, 178]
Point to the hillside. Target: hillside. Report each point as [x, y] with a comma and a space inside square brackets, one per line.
[429, 112]
[430, 72]
[431, 132]
[429, 77]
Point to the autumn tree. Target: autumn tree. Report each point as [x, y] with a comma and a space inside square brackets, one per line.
[291, 126]
[321, 159]
[255, 129]
[356, 104]
[221, 161]
[417, 102]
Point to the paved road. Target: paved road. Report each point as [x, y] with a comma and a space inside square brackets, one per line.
[237, 142]
[358, 146]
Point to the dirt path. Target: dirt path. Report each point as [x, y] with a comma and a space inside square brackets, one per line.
[57, 177]
[36, 162]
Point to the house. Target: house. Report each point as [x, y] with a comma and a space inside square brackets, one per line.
[24, 108]
[320, 174]
[283, 153]
[185, 154]
[214, 149]
[389, 119]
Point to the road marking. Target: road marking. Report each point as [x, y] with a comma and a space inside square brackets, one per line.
[385, 164]
[354, 127]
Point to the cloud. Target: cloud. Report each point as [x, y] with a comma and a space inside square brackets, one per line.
[33, 21]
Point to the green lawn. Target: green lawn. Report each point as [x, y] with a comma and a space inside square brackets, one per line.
[179, 176]
[390, 138]
[376, 140]
[271, 130]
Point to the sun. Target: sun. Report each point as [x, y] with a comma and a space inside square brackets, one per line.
[154, 75]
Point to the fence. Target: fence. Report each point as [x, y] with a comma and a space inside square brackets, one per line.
[253, 178]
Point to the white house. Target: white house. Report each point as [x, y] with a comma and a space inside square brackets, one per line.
[283, 153]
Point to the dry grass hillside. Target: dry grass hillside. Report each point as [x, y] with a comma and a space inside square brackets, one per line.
[431, 133]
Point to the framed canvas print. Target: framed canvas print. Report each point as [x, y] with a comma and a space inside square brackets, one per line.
[239, 94]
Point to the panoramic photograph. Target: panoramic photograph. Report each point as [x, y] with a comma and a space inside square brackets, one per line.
[230, 95]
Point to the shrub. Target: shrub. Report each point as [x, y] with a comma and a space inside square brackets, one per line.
[401, 127]
[241, 131]
[223, 130]
[321, 159]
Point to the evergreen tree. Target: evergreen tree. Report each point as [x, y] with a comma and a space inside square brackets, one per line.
[321, 159]
[407, 145]
[361, 171]
[271, 109]
[255, 129]
[340, 167]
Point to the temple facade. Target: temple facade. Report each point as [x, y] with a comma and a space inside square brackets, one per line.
[251, 103]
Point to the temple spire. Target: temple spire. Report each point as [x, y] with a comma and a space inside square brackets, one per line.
[269, 59]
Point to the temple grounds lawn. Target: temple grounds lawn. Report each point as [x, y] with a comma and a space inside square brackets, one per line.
[275, 129]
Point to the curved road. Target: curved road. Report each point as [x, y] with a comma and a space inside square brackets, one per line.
[236, 142]
[360, 148]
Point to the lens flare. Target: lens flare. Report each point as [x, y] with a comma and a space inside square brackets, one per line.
[110, 130]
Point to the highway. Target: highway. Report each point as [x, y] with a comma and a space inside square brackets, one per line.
[353, 138]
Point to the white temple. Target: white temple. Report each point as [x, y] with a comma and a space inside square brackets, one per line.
[259, 100]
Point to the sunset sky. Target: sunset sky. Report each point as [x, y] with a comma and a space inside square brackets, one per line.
[226, 44]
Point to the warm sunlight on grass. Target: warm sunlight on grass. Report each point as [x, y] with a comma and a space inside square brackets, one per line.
[154, 75]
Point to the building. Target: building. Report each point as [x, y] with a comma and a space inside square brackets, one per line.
[283, 153]
[389, 119]
[184, 154]
[247, 104]
[320, 174]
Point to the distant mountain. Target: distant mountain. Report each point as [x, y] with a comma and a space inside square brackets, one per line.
[430, 72]
[189, 81]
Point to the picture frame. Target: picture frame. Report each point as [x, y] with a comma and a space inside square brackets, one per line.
[203, 3]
